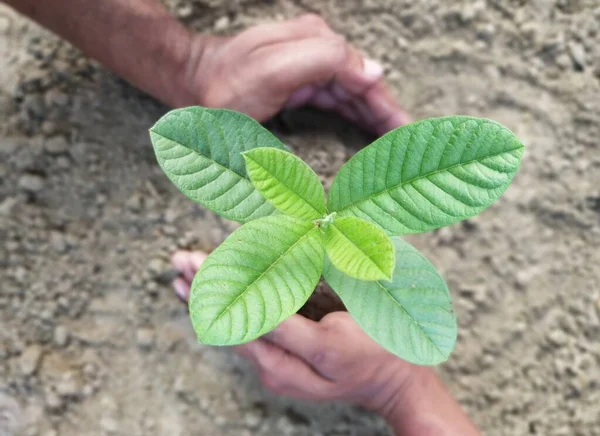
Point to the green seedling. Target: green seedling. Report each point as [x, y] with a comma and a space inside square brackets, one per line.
[419, 177]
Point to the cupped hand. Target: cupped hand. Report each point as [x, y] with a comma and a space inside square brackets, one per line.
[332, 359]
[290, 64]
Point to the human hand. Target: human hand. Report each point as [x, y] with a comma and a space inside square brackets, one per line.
[330, 359]
[333, 359]
[285, 65]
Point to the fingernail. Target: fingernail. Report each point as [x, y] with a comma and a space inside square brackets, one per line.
[372, 70]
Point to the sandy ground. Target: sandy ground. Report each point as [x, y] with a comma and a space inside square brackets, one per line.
[92, 341]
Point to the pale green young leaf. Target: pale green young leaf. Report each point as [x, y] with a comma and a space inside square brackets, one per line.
[261, 274]
[200, 150]
[428, 174]
[411, 316]
[360, 249]
[286, 182]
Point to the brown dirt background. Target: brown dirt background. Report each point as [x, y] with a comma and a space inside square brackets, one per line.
[92, 342]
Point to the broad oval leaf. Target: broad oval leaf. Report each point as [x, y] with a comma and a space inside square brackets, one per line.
[261, 274]
[286, 182]
[411, 316]
[360, 249]
[200, 150]
[428, 174]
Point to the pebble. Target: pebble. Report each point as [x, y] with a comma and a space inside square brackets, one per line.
[49, 127]
[8, 205]
[58, 242]
[56, 145]
[63, 162]
[70, 386]
[145, 338]
[185, 10]
[61, 336]
[134, 203]
[156, 266]
[53, 401]
[222, 23]
[558, 337]
[578, 55]
[29, 362]
[56, 98]
[252, 420]
[31, 183]
[109, 425]
[524, 276]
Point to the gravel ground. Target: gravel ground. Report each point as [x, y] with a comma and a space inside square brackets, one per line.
[93, 342]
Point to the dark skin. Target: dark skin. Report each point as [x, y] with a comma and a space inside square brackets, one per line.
[261, 71]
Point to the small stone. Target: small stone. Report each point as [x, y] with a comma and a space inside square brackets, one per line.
[578, 55]
[558, 337]
[252, 420]
[171, 215]
[486, 31]
[61, 336]
[523, 278]
[10, 146]
[31, 183]
[8, 205]
[222, 23]
[53, 401]
[56, 145]
[185, 10]
[134, 203]
[29, 361]
[49, 127]
[444, 236]
[58, 242]
[63, 162]
[109, 425]
[34, 105]
[56, 98]
[563, 61]
[145, 338]
[70, 386]
[156, 265]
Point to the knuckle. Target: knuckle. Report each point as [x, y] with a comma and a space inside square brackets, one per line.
[325, 360]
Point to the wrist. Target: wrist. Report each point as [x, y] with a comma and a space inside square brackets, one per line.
[406, 391]
[193, 78]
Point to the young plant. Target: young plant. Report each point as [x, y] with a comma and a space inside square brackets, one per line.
[419, 177]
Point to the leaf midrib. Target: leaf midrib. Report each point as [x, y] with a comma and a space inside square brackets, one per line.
[272, 265]
[350, 240]
[421, 176]
[200, 154]
[389, 294]
[319, 213]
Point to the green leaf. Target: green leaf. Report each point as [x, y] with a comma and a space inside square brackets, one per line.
[200, 152]
[360, 249]
[427, 174]
[286, 182]
[261, 274]
[411, 316]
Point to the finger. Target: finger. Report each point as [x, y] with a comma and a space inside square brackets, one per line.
[300, 337]
[188, 262]
[386, 112]
[283, 373]
[295, 64]
[182, 289]
[304, 26]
